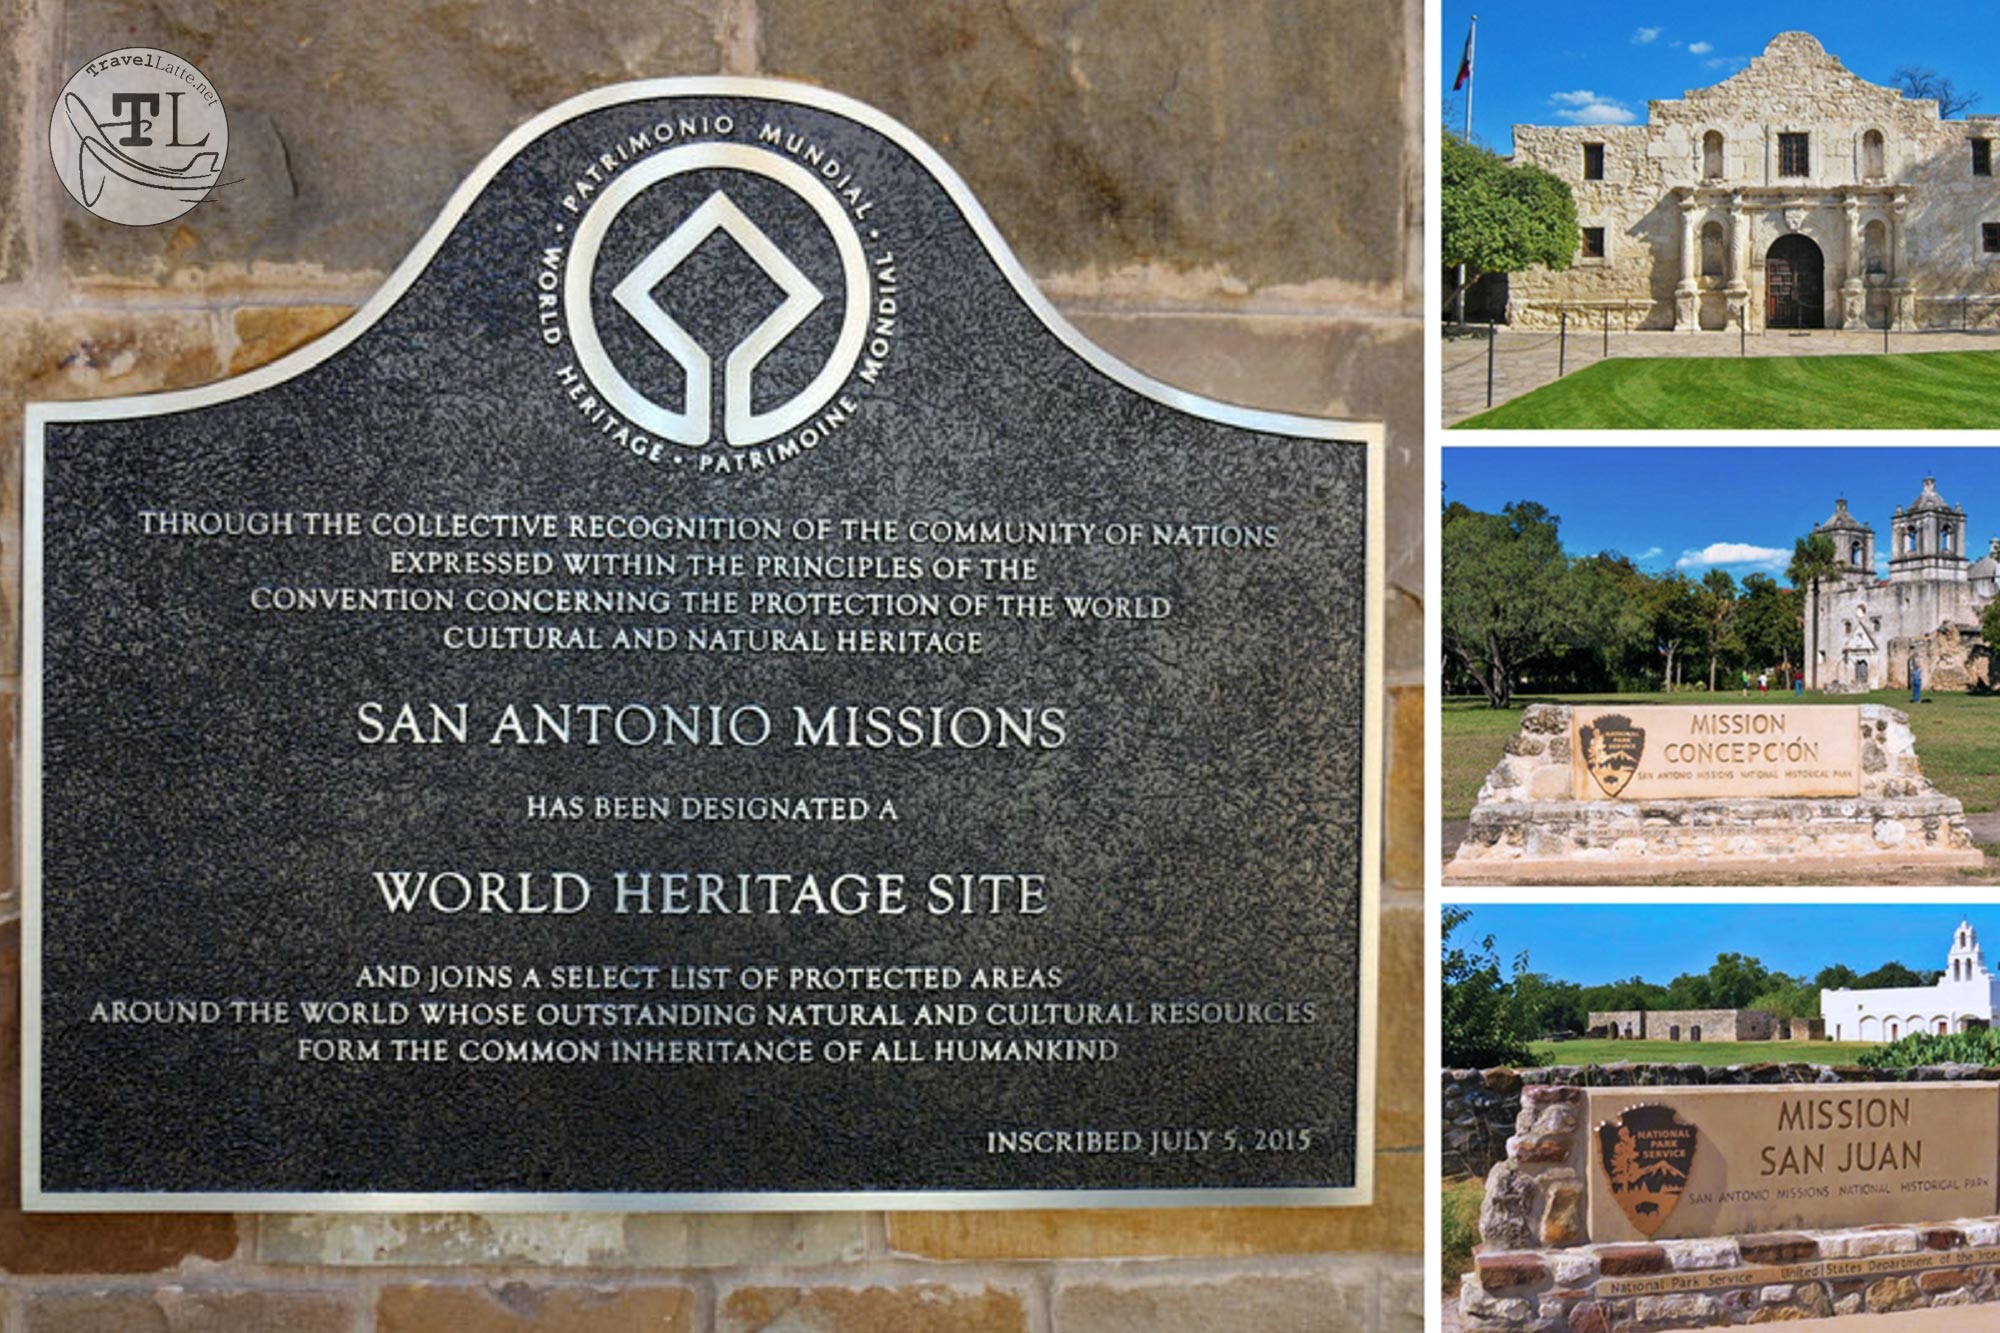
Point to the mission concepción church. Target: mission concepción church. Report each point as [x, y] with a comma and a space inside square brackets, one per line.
[1865, 632]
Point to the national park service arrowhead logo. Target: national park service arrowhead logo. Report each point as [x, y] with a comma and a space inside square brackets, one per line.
[1611, 750]
[1647, 1153]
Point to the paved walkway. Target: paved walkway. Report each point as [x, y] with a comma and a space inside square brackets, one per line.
[1527, 360]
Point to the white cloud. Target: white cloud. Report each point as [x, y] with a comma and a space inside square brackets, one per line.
[1584, 107]
[1700, 48]
[1644, 36]
[1650, 553]
[1727, 62]
[1734, 553]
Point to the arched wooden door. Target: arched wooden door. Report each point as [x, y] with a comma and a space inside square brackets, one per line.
[1794, 284]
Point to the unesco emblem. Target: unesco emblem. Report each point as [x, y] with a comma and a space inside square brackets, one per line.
[138, 136]
[721, 307]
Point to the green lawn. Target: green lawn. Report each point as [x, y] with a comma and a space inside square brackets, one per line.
[1958, 737]
[1699, 1052]
[1917, 390]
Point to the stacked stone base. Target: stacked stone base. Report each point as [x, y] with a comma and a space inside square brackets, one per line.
[1761, 1279]
[1600, 841]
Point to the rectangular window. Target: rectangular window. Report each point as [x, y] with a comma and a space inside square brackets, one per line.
[1982, 157]
[1593, 161]
[1795, 155]
[1989, 236]
[1593, 242]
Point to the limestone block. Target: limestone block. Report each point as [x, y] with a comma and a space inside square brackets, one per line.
[1574, 1268]
[19, 141]
[1548, 783]
[1562, 1213]
[1081, 127]
[1289, 1303]
[678, 1240]
[172, 1309]
[1863, 1244]
[519, 1307]
[1508, 1212]
[1685, 1255]
[1504, 1311]
[1894, 1293]
[351, 124]
[928, 1308]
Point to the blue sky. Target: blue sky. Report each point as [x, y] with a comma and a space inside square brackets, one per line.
[1591, 944]
[1736, 508]
[1543, 64]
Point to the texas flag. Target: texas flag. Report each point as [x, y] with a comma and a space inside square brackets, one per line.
[1464, 63]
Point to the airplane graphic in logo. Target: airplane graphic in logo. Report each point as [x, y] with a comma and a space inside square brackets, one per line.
[95, 149]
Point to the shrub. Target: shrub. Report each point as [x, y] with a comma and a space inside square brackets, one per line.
[1978, 1047]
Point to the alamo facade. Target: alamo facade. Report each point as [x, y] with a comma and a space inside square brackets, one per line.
[1793, 194]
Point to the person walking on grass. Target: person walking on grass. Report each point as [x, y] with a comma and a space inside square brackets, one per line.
[1763, 682]
[1746, 682]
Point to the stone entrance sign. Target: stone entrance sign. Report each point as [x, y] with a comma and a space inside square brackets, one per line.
[1624, 793]
[705, 693]
[1793, 1196]
[1653, 752]
[1686, 1162]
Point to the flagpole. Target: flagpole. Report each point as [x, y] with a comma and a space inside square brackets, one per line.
[1471, 74]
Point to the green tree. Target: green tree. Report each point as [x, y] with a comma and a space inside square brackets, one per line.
[1674, 616]
[1621, 996]
[1813, 560]
[1478, 1021]
[1607, 598]
[1734, 980]
[1504, 581]
[1767, 624]
[1715, 606]
[1498, 218]
[1891, 976]
[1787, 997]
[1542, 1004]
[1837, 976]
[1989, 624]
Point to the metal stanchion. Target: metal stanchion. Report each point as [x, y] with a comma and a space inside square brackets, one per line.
[1492, 331]
[1743, 330]
[1607, 333]
[1562, 344]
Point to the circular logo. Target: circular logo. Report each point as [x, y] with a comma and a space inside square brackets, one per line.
[716, 251]
[138, 136]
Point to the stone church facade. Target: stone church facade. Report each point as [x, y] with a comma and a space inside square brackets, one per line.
[1865, 632]
[1793, 194]
[1967, 993]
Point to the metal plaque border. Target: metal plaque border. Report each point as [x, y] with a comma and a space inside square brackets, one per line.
[35, 1199]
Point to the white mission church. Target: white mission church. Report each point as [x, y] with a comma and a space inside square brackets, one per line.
[1966, 991]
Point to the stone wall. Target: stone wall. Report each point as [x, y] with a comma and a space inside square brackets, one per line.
[1525, 826]
[1687, 1025]
[1181, 181]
